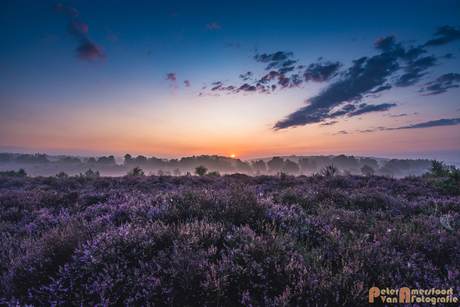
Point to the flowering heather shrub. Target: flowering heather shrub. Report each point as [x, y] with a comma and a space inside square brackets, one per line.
[234, 240]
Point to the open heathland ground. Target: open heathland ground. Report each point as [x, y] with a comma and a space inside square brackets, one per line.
[234, 240]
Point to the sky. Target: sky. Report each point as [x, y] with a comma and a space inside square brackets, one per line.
[245, 78]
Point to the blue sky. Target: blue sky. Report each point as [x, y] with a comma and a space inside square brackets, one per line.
[264, 78]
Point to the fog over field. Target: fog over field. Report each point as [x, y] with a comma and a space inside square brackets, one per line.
[44, 165]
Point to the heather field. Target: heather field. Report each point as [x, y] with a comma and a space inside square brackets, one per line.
[234, 240]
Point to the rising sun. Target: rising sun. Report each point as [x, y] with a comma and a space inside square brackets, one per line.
[233, 155]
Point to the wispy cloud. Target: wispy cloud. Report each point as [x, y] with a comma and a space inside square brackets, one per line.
[236, 45]
[246, 76]
[441, 84]
[187, 83]
[433, 123]
[415, 70]
[400, 115]
[213, 26]
[365, 108]
[68, 10]
[87, 49]
[77, 29]
[330, 123]
[446, 34]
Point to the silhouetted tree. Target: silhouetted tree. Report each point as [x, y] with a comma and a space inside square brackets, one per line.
[366, 169]
[344, 162]
[128, 159]
[369, 162]
[110, 160]
[6, 158]
[259, 166]
[140, 160]
[20, 173]
[438, 169]
[275, 164]
[137, 172]
[214, 173]
[62, 175]
[201, 170]
[243, 167]
[329, 170]
[91, 173]
[290, 167]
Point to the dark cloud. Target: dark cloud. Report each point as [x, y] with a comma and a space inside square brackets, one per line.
[219, 87]
[433, 123]
[441, 84]
[411, 54]
[361, 78]
[385, 44]
[111, 37]
[246, 76]
[341, 132]
[270, 76]
[365, 108]
[448, 56]
[284, 70]
[415, 71]
[187, 83]
[89, 51]
[446, 35]
[283, 81]
[246, 88]
[237, 45]
[77, 29]
[68, 10]
[149, 53]
[213, 26]
[279, 59]
[321, 72]
[171, 76]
